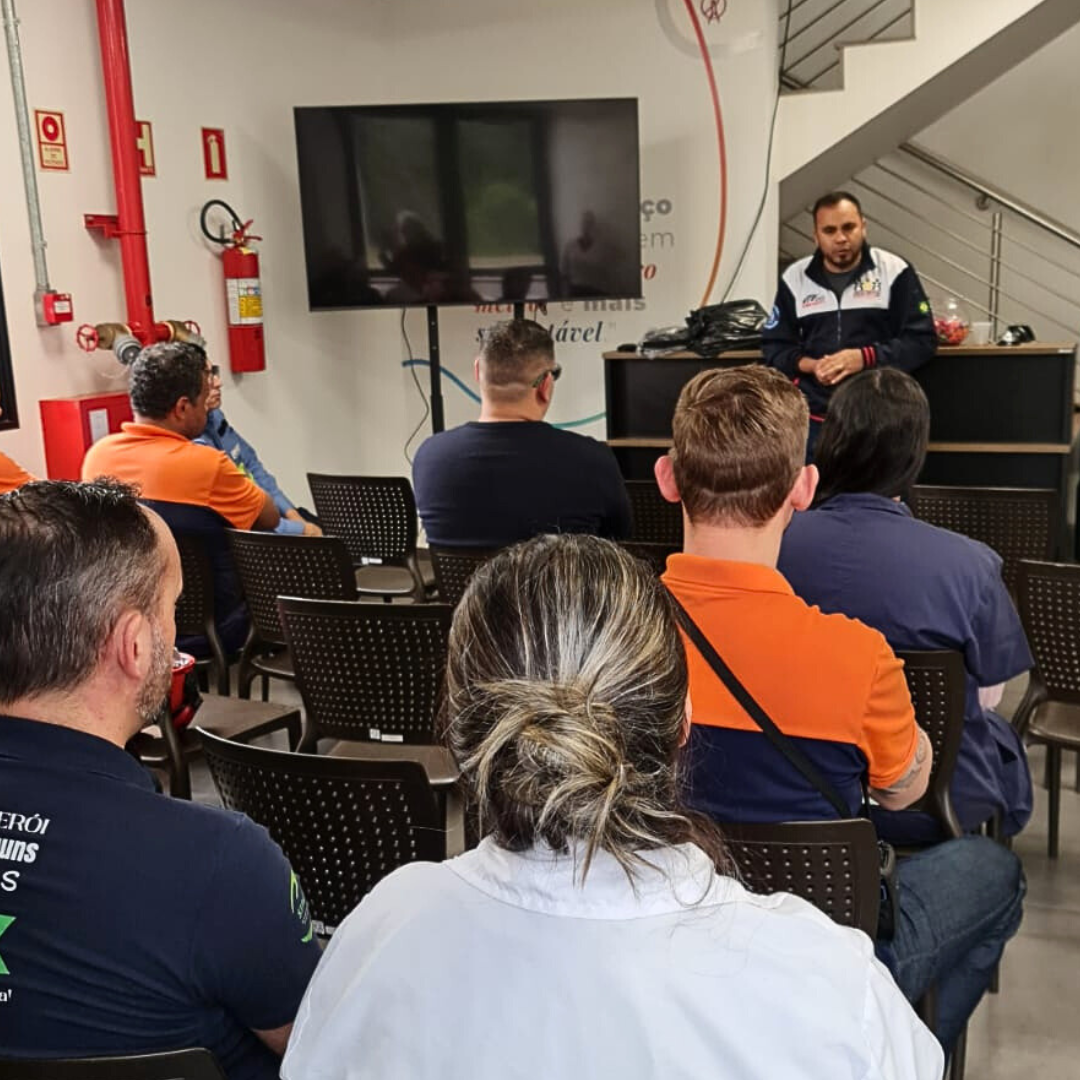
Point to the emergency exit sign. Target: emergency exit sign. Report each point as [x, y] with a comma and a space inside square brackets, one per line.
[213, 150]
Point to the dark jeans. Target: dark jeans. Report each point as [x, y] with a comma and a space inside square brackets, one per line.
[960, 902]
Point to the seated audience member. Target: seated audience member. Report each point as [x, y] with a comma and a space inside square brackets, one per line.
[509, 475]
[221, 435]
[132, 922]
[829, 683]
[170, 391]
[860, 552]
[12, 474]
[594, 932]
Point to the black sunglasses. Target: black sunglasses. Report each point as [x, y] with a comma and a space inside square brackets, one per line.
[554, 372]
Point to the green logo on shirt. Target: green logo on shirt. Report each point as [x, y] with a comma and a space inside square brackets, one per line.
[298, 905]
[5, 922]
[924, 307]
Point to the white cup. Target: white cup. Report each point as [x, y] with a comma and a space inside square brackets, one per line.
[980, 333]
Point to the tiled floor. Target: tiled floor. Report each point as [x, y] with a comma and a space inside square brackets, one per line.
[1030, 1028]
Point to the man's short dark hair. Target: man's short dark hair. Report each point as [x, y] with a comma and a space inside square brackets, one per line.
[73, 558]
[514, 352]
[835, 198]
[874, 437]
[163, 374]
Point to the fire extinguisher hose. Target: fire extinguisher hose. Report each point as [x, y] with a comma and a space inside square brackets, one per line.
[224, 239]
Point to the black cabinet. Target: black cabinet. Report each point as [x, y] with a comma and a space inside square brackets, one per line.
[1000, 417]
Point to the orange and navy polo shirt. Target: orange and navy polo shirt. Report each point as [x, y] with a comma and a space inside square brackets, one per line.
[171, 468]
[828, 682]
[12, 475]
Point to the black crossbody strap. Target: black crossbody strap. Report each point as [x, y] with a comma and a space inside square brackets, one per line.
[785, 745]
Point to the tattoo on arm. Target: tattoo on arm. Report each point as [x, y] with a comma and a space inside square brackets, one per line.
[918, 762]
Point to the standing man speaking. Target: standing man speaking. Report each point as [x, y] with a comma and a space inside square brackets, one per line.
[847, 307]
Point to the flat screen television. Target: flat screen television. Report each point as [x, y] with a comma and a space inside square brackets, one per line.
[480, 203]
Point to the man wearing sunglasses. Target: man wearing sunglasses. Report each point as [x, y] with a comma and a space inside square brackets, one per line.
[510, 475]
[221, 435]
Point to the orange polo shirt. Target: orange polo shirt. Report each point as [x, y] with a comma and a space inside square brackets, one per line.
[827, 681]
[12, 475]
[167, 466]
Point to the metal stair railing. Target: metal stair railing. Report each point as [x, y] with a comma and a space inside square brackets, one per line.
[814, 27]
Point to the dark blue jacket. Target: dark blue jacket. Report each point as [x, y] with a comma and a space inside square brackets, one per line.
[865, 556]
[883, 311]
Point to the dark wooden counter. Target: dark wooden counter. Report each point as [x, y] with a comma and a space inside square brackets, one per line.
[1000, 416]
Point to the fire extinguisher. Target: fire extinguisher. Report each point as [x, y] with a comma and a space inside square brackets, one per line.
[243, 290]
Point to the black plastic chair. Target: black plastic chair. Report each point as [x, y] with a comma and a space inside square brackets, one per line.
[1018, 523]
[937, 682]
[376, 517]
[162, 746]
[654, 555]
[195, 1064]
[454, 568]
[833, 865]
[195, 612]
[1049, 604]
[656, 521]
[343, 823]
[272, 565]
[367, 672]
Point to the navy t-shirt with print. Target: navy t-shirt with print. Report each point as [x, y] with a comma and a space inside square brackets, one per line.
[131, 922]
[488, 485]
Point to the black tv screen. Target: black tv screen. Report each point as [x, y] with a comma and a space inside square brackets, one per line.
[470, 203]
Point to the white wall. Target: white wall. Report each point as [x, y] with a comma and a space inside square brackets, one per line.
[335, 396]
[1020, 131]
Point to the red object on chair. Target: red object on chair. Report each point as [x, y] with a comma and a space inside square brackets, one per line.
[72, 425]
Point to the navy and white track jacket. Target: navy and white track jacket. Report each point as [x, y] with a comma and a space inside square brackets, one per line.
[883, 311]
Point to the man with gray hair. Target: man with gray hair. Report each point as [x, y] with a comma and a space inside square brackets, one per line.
[129, 922]
[509, 475]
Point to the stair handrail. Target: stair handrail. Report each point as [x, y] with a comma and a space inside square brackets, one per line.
[994, 194]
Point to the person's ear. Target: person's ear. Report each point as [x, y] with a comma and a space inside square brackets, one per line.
[131, 644]
[804, 488]
[664, 471]
[476, 368]
[546, 390]
[688, 720]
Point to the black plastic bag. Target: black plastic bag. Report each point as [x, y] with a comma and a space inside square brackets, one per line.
[720, 328]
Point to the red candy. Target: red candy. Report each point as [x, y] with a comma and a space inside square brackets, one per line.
[951, 330]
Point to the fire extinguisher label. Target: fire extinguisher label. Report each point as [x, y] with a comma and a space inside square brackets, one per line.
[245, 301]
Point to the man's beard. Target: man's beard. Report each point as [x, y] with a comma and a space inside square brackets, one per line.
[155, 687]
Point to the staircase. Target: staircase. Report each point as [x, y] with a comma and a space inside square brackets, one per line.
[866, 75]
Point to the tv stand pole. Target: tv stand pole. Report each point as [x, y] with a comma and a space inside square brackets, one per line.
[435, 370]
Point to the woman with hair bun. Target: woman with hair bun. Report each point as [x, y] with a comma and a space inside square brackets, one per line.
[595, 931]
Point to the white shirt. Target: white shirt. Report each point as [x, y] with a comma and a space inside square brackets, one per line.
[498, 966]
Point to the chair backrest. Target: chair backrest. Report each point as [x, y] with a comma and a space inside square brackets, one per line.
[454, 567]
[656, 521]
[343, 823]
[655, 555]
[374, 515]
[370, 672]
[272, 565]
[195, 1064]
[832, 864]
[207, 564]
[1048, 597]
[937, 681]
[1018, 523]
